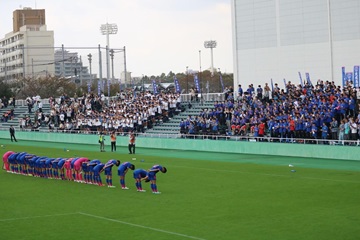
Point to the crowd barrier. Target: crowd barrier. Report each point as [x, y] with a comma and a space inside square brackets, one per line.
[223, 144]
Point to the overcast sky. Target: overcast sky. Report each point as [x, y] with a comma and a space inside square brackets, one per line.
[159, 35]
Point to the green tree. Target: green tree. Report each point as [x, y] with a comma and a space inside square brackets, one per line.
[45, 87]
[6, 90]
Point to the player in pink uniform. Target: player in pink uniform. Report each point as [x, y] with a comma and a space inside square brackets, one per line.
[6, 165]
[67, 166]
[77, 168]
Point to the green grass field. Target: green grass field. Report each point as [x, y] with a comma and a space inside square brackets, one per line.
[204, 196]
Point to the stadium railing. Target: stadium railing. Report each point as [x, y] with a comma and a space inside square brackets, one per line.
[217, 137]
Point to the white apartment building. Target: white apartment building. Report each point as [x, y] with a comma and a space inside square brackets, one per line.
[28, 52]
[277, 39]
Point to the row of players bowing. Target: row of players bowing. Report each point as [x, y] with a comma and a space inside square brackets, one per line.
[78, 169]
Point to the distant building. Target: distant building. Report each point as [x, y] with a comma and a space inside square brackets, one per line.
[277, 39]
[28, 16]
[27, 51]
[126, 79]
[69, 65]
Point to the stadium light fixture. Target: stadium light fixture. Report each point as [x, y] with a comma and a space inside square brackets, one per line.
[211, 44]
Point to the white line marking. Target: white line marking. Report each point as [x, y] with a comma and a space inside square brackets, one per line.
[32, 217]
[141, 226]
[269, 174]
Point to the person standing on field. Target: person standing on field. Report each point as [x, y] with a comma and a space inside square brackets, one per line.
[102, 142]
[12, 133]
[131, 143]
[113, 141]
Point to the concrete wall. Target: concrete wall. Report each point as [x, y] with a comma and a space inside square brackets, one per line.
[279, 38]
[279, 149]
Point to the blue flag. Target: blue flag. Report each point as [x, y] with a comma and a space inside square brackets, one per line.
[222, 82]
[356, 76]
[177, 85]
[307, 75]
[99, 87]
[349, 78]
[89, 86]
[343, 76]
[154, 87]
[301, 81]
[197, 84]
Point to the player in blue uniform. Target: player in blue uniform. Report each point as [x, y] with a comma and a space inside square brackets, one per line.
[20, 159]
[55, 169]
[31, 165]
[61, 168]
[48, 168]
[97, 171]
[27, 162]
[140, 175]
[85, 169]
[108, 171]
[37, 167]
[73, 169]
[122, 170]
[152, 176]
[91, 166]
[42, 166]
[13, 163]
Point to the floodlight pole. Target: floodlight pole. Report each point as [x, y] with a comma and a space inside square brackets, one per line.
[100, 82]
[142, 83]
[63, 60]
[107, 70]
[90, 80]
[187, 79]
[125, 67]
[112, 64]
[211, 44]
[200, 77]
[107, 29]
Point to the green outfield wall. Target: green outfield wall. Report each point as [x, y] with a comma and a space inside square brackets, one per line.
[228, 146]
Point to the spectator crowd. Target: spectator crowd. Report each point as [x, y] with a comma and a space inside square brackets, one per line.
[92, 113]
[321, 111]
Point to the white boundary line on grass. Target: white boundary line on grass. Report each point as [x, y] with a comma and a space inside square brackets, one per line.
[140, 226]
[269, 174]
[32, 217]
